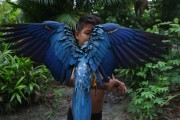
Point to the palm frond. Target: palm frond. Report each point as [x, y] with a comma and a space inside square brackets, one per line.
[45, 2]
[116, 1]
[69, 19]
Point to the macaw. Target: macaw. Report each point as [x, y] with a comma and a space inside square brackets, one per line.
[110, 46]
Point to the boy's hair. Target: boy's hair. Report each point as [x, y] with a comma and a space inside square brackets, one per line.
[88, 18]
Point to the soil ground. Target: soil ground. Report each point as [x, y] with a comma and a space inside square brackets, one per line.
[56, 103]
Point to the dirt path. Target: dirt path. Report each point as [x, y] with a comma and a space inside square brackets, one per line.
[56, 107]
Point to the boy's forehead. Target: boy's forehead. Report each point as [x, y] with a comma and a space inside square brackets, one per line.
[88, 26]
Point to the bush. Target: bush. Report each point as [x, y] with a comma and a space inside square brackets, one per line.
[18, 80]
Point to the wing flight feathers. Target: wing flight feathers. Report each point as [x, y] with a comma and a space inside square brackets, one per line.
[50, 42]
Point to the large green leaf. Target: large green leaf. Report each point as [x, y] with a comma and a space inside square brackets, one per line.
[68, 19]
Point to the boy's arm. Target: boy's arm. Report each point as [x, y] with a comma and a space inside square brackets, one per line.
[112, 85]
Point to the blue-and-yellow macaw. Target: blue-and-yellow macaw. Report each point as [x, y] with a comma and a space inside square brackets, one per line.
[110, 46]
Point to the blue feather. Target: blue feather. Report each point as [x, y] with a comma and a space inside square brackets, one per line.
[62, 73]
[92, 65]
[40, 52]
[28, 46]
[154, 47]
[131, 54]
[34, 48]
[125, 57]
[104, 74]
[121, 61]
[139, 52]
[22, 42]
[109, 63]
[72, 61]
[147, 50]
[68, 74]
[16, 38]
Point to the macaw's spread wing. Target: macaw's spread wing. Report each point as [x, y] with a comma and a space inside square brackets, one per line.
[50, 42]
[115, 47]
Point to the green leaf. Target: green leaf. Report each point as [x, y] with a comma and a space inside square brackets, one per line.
[161, 78]
[20, 80]
[18, 97]
[20, 87]
[12, 97]
[147, 105]
[174, 62]
[161, 64]
[165, 68]
[37, 86]
[158, 101]
[176, 20]
[137, 101]
[163, 89]
[148, 94]
[142, 74]
[145, 83]
[31, 86]
[22, 94]
[3, 87]
[69, 19]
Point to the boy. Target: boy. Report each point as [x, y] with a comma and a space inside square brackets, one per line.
[82, 33]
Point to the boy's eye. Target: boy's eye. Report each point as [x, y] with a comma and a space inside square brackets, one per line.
[87, 33]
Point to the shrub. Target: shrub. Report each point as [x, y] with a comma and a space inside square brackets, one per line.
[18, 80]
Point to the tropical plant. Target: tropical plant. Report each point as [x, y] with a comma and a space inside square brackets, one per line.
[9, 13]
[152, 85]
[69, 11]
[18, 80]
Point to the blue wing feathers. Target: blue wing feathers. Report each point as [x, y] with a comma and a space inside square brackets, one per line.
[110, 63]
[130, 47]
[19, 44]
[154, 47]
[27, 46]
[126, 35]
[98, 58]
[92, 65]
[139, 53]
[15, 38]
[104, 74]
[41, 42]
[62, 73]
[147, 50]
[119, 58]
[68, 74]
[40, 53]
[124, 57]
[95, 61]
[29, 49]
[132, 55]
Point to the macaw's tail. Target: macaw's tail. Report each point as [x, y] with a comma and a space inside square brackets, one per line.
[81, 104]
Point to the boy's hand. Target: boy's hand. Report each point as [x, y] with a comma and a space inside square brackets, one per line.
[115, 85]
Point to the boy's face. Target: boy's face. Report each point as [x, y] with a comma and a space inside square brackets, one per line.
[84, 34]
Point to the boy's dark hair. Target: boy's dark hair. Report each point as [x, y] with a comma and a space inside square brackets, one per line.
[88, 18]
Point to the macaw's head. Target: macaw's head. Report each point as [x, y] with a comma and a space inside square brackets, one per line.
[84, 28]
